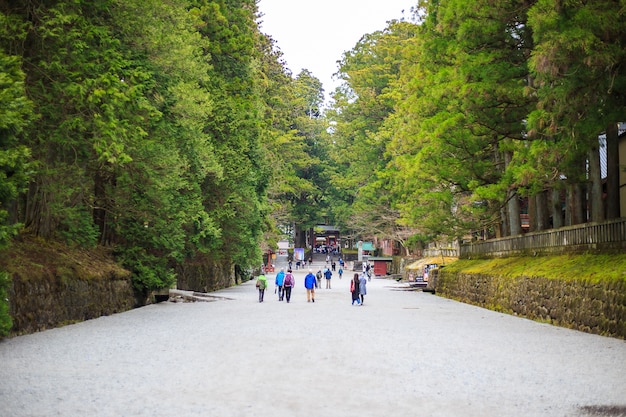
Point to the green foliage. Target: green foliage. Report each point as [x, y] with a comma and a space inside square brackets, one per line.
[576, 65]
[5, 318]
[149, 128]
[361, 179]
[169, 129]
[15, 114]
[150, 272]
[77, 228]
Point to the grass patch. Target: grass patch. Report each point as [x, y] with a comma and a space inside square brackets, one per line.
[588, 267]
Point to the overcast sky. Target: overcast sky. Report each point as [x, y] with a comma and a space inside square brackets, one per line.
[314, 35]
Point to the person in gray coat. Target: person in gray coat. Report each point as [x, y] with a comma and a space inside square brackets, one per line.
[362, 288]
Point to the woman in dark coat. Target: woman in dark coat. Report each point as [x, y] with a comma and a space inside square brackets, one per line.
[354, 289]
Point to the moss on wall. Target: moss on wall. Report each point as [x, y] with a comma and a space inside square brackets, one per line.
[203, 274]
[52, 284]
[585, 292]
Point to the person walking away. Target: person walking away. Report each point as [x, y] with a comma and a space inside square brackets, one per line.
[354, 289]
[319, 276]
[288, 284]
[310, 283]
[369, 272]
[328, 275]
[362, 287]
[261, 284]
[280, 279]
[333, 265]
[340, 272]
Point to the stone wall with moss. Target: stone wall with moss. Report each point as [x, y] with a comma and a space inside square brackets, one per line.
[597, 307]
[202, 274]
[52, 285]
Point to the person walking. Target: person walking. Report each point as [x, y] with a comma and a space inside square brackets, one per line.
[362, 287]
[280, 278]
[328, 275]
[288, 284]
[261, 284]
[354, 289]
[340, 272]
[310, 283]
[319, 276]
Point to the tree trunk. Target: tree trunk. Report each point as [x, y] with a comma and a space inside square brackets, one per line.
[532, 214]
[299, 239]
[514, 214]
[556, 209]
[574, 206]
[504, 222]
[513, 208]
[99, 211]
[541, 211]
[596, 206]
[612, 171]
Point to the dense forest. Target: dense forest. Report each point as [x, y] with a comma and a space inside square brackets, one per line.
[169, 130]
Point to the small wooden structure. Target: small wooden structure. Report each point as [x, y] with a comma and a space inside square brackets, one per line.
[381, 264]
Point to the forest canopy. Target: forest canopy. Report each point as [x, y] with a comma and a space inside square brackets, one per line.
[169, 130]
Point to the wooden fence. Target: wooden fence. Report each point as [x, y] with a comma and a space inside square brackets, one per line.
[609, 236]
[449, 252]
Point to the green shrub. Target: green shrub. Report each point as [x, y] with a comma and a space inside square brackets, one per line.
[5, 318]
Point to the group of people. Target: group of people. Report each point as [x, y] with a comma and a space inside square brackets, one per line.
[358, 288]
[284, 283]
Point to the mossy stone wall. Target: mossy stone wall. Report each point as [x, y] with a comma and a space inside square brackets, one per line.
[593, 307]
[203, 274]
[52, 299]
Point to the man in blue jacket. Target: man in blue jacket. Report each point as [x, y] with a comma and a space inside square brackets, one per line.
[280, 279]
[328, 275]
[310, 283]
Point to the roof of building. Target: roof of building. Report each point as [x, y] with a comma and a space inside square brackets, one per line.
[367, 246]
[380, 258]
[438, 260]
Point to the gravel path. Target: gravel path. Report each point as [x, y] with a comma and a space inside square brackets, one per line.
[402, 354]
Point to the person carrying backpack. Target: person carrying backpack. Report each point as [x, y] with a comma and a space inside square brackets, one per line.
[261, 284]
[288, 284]
[319, 275]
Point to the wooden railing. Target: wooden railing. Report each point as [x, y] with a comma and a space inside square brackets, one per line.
[609, 236]
[434, 252]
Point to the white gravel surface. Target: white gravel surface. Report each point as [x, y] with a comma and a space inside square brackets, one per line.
[401, 354]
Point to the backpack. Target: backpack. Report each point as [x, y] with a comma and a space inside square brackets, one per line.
[288, 280]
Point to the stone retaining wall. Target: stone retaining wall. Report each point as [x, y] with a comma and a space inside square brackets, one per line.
[56, 299]
[202, 274]
[593, 307]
